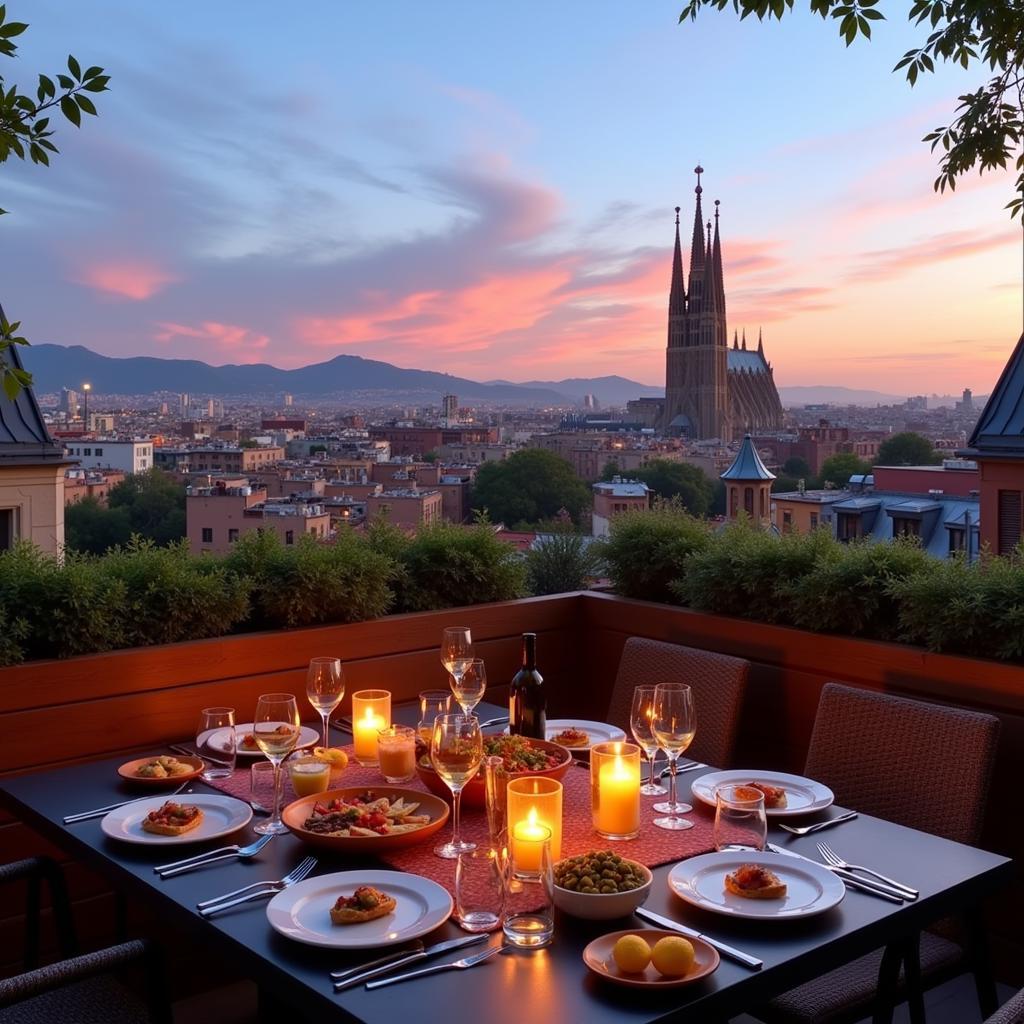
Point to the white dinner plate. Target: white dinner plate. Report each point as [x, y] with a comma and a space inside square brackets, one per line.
[303, 911]
[599, 732]
[307, 738]
[802, 795]
[810, 888]
[222, 815]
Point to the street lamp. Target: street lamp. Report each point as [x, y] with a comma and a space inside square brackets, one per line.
[86, 388]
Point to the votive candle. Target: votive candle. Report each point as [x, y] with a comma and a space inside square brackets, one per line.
[396, 752]
[371, 712]
[528, 839]
[544, 797]
[615, 789]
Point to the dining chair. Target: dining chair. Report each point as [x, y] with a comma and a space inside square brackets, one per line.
[718, 681]
[926, 766]
[79, 987]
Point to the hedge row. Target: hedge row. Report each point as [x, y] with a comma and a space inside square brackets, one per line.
[893, 591]
[141, 594]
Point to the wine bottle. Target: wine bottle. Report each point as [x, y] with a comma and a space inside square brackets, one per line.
[526, 701]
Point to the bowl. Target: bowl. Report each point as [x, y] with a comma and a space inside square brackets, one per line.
[603, 906]
[474, 794]
[295, 814]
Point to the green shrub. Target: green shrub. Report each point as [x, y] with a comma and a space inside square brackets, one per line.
[311, 583]
[647, 550]
[849, 588]
[172, 596]
[964, 609]
[445, 566]
[68, 609]
[12, 632]
[750, 573]
[560, 562]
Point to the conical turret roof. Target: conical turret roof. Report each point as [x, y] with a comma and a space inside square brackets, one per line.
[1000, 427]
[747, 465]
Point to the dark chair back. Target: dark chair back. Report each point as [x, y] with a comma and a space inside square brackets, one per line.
[718, 683]
[923, 765]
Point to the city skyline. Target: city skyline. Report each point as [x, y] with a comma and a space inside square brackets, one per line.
[493, 198]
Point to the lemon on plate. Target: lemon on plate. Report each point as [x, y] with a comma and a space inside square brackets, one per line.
[673, 956]
[631, 954]
[334, 756]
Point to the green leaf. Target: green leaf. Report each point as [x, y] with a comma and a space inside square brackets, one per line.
[69, 108]
[65, 82]
[92, 73]
[11, 386]
[85, 103]
[74, 67]
[97, 84]
[12, 28]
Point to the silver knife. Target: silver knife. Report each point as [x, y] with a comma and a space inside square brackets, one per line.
[874, 888]
[731, 952]
[494, 721]
[345, 979]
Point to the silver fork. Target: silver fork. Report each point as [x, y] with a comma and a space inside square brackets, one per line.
[99, 812]
[456, 965]
[806, 830]
[200, 860]
[680, 769]
[835, 860]
[219, 903]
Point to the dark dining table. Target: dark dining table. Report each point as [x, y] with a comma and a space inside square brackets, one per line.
[549, 984]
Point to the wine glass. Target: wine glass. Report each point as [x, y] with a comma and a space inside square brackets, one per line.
[640, 725]
[456, 752]
[456, 651]
[276, 729]
[325, 686]
[469, 688]
[674, 725]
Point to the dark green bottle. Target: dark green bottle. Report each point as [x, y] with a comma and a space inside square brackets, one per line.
[526, 702]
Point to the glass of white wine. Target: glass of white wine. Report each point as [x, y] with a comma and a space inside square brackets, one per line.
[674, 725]
[276, 729]
[470, 687]
[456, 652]
[325, 686]
[456, 752]
[640, 718]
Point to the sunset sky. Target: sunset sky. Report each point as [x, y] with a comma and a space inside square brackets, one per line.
[487, 189]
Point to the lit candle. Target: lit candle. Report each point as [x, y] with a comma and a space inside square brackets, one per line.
[528, 838]
[371, 712]
[543, 796]
[396, 752]
[617, 791]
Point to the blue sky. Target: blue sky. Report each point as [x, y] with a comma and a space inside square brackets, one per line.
[488, 189]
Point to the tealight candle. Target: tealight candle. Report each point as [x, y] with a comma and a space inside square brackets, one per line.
[396, 752]
[528, 839]
[615, 789]
[543, 796]
[371, 712]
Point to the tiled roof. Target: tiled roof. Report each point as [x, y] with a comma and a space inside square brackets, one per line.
[746, 359]
[1000, 428]
[748, 465]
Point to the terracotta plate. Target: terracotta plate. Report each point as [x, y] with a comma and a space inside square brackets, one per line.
[129, 768]
[299, 810]
[598, 957]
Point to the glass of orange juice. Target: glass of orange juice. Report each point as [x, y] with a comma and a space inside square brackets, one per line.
[396, 753]
[308, 775]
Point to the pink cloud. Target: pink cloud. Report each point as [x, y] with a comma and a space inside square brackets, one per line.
[882, 264]
[135, 280]
[243, 343]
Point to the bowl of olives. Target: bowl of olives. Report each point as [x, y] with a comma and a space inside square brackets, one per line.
[600, 885]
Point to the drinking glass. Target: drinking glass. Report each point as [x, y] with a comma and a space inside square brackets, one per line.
[456, 651]
[640, 726]
[276, 728]
[741, 825]
[469, 688]
[480, 889]
[535, 927]
[396, 753]
[215, 742]
[456, 752]
[325, 686]
[496, 792]
[261, 786]
[434, 703]
[674, 724]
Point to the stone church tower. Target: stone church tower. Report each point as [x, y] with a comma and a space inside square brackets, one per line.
[711, 391]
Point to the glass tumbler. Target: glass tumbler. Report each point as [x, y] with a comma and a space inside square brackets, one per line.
[261, 786]
[740, 822]
[533, 928]
[480, 889]
[216, 741]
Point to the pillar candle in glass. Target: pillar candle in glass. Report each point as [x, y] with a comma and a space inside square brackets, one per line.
[615, 789]
[544, 796]
[371, 712]
[529, 840]
[396, 752]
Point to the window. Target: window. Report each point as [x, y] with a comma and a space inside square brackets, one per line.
[848, 526]
[957, 539]
[787, 521]
[207, 534]
[232, 535]
[1009, 523]
[289, 536]
[814, 520]
[8, 528]
[763, 509]
[902, 527]
[748, 501]
[87, 451]
[99, 451]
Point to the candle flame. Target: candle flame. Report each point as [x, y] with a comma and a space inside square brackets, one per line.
[531, 818]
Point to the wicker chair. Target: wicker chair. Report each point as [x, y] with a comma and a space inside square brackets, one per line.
[76, 988]
[861, 742]
[718, 683]
[1011, 1012]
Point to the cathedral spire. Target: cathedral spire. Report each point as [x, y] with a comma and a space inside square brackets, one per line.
[735, 338]
[760, 343]
[677, 293]
[697, 245]
[744, 339]
[716, 266]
